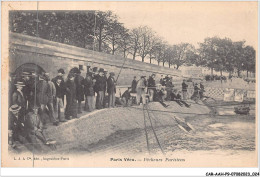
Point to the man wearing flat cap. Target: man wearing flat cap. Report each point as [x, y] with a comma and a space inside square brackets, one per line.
[34, 128]
[16, 126]
[111, 90]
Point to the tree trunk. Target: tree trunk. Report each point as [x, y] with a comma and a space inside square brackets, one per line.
[246, 73]
[211, 71]
[100, 41]
[142, 58]
[169, 65]
[177, 66]
[163, 63]
[150, 60]
[238, 73]
[221, 76]
[134, 55]
[229, 74]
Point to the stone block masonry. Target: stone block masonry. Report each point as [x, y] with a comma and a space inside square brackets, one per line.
[51, 56]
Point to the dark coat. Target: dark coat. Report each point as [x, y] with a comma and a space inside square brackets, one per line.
[17, 125]
[162, 82]
[175, 97]
[59, 90]
[62, 91]
[111, 87]
[100, 83]
[127, 95]
[184, 86]
[26, 89]
[79, 87]
[151, 83]
[71, 107]
[88, 87]
[18, 98]
[134, 84]
[42, 92]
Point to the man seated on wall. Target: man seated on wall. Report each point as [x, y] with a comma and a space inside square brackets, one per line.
[126, 97]
[16, 127]
[176, 96]
[34, 130]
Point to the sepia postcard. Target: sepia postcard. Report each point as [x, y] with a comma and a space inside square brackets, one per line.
[129, 84]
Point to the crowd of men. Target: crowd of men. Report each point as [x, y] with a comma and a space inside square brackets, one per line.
[147, 90]
[36, 99]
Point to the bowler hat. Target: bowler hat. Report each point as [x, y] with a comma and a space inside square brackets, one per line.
[61, 71]
[95, 69]
[15, 108]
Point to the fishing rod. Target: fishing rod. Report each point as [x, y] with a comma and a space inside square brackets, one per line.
[121, 69]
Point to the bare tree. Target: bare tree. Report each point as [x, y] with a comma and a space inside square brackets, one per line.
[180, 53]
[147, 36]
[102, 20]
[135, 38]
[124, 42]
[114, 33]
[155, 44]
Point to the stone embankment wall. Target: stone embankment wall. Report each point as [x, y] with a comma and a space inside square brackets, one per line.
[51, 56]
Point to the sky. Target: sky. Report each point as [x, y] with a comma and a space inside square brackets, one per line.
[192, 22]
[176, 22]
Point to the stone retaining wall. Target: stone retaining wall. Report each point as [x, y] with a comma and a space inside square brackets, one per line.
[52, 55]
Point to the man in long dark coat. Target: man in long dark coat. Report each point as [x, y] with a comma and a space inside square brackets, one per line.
[184, 90]
[134, 84]
[111, 90]
[89, 92]
[71, 107]
[79, 90]
[100, 85]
